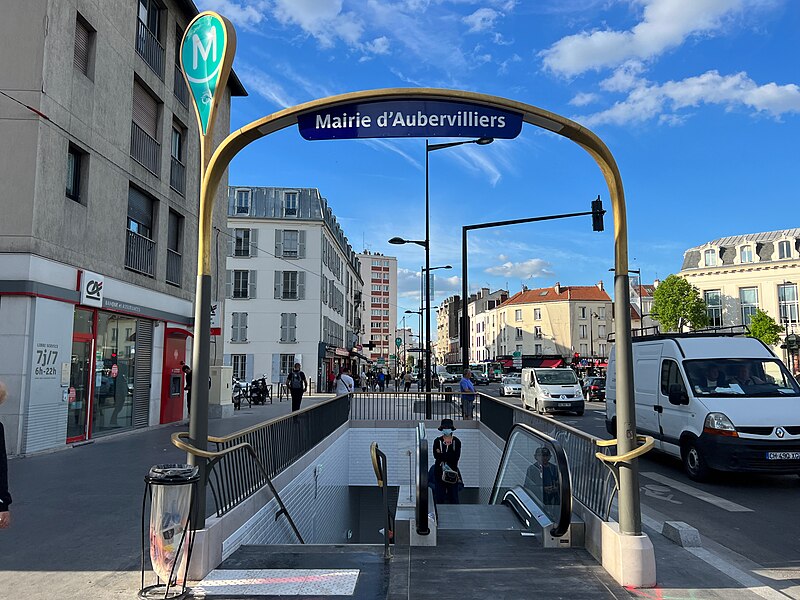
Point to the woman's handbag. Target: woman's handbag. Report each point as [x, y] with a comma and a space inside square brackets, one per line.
[449, 476]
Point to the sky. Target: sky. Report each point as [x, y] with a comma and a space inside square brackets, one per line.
[698, 100]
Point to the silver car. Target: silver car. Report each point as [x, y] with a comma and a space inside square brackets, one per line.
[511, 385]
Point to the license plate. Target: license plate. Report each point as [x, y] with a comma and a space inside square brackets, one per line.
[564, 404]
[783, 455]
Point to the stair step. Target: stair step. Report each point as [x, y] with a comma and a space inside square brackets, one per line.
[246, 583]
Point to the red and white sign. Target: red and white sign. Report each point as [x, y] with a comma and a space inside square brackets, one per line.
[114, 370]
[71, 394]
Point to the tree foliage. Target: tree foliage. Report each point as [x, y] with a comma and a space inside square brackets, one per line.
[675, 299]
[764, 328]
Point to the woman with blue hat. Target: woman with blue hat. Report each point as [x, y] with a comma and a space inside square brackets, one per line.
[446, 453]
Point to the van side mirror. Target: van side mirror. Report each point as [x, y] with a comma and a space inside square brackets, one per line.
[677, 395]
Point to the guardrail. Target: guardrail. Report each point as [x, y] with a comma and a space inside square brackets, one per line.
[249, 459]
[593, 485]
[421, 508]
[407, 406]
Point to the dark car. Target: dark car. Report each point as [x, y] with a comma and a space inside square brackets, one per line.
[594, 388]
[479, 378]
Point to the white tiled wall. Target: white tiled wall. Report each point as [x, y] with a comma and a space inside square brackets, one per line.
[490, 455]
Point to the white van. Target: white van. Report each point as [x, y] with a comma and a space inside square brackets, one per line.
[717, 402]
[553, 390]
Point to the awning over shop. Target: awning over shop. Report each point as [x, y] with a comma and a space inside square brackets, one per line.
[551, 363]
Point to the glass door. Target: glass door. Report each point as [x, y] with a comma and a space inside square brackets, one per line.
[80, 380]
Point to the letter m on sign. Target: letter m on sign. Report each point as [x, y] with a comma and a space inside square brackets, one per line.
[197, 47]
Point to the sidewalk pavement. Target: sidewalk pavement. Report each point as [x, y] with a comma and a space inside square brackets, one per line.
[76, 516]
[76, 528]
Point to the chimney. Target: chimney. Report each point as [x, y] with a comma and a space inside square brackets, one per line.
[656, 282]
[524, 288]
[557, 287]
[600, 285]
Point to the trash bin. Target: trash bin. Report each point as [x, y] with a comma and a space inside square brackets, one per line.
[172, 489]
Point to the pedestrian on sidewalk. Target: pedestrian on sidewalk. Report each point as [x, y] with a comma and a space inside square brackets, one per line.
[381, 380]
[187, 371]
[331, 380]
[467, 395]
[5, 497]
[344, 383]
[407, 381]
[297, 384]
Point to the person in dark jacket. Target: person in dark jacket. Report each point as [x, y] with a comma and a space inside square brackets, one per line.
[5, 497]
[187, 371]
[446, 453]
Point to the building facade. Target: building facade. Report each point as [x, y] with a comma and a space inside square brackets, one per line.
[99, 230]
[738, 275]
[447, 348]
[292, 285]
[379, 309]
[556, 321]
[641, 298]
[479, 311]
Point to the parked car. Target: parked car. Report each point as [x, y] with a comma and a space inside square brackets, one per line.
[717, 402]
[594, 388]
[479, 378]
[511, 385]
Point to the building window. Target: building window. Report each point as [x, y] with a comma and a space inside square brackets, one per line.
[537, 332]
[177, 165]
[713, 300]
[537, 314]
[584, 350]
[241, 242]
[537, 349]
[290, 285]
[174, 248]
[290, 240]
[601, 332]
[710, 258]
[519, 333]
[145, 129]
[582, 330]
[290, 204]
[140, 248]
[518, 314]
[748, 297]
[581, 312]
[239, 327]
[784, 250]
[75, 168]
[601, 312]
[787, 303]
[84, 46]
[243, 202]
[519, 348]
[239, 362]
[746, 254]
[602, 350]
[241, 284]
[287, 364]
[288, 327]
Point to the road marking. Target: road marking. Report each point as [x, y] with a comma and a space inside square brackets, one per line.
[660, 492]
[696, 493]
[750, 582]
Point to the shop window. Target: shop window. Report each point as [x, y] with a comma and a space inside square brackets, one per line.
[115, 352]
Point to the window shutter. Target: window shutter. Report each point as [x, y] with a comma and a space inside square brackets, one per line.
[82, 36]
[278, 285]
[284, 327]
[251, 284]
[235, 326]
[231, 241]
[249, 367]
[140, 207]
[279, 242]
[301, 285]
[276, 368]
[301, 244]
[145, 111]
[292, 326]
[243, 327]
[229, 284]
[254, 242]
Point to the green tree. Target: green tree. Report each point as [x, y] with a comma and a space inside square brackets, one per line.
[675, 299]
[764, 328]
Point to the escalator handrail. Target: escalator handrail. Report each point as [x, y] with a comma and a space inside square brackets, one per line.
[564, 478]
[421, 509]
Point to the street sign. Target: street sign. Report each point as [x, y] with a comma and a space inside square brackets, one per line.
[517, 354]
[393, 356]
[398, 342]
[409, 118]
[381, 361]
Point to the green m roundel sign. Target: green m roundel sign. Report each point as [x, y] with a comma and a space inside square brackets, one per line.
[206, 56]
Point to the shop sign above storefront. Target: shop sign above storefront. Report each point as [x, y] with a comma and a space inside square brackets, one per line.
[409, 118]
[91, 289]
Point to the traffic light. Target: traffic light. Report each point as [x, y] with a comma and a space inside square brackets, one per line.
[597, 214]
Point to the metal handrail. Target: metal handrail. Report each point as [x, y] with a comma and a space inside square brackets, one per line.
[646, 442]
[214, 457]
[423, 527]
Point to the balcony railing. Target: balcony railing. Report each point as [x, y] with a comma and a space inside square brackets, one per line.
[150, 49]
[179, 87]
[144, 149]
[177, 176]
[140, 254]
[174, 262]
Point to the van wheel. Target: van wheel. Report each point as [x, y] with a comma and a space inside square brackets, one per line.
[693, 461]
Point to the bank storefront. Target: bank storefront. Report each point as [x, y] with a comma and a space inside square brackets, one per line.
[82, 364]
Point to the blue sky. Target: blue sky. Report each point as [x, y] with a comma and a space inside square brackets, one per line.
[698, 100]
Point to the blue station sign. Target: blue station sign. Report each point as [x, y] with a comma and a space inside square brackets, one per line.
[409, 118]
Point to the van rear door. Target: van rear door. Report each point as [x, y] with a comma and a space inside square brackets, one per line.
[646, 359]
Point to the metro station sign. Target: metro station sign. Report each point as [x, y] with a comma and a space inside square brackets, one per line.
[409, 118]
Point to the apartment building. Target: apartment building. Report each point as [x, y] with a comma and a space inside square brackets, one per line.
[740, 274]
[557, 321]
[98, 234]
[480, 308]
[379, 310]
[293, 287]
[447, 347]
[641, 298]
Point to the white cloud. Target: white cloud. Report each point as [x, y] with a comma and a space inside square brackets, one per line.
[379, 45]
[481, 20]
[245, 15]
[266, 87]
[393, 147]
[647, 100]
[533, 267]
[584, 98]
[322, 19]
[665, 24]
